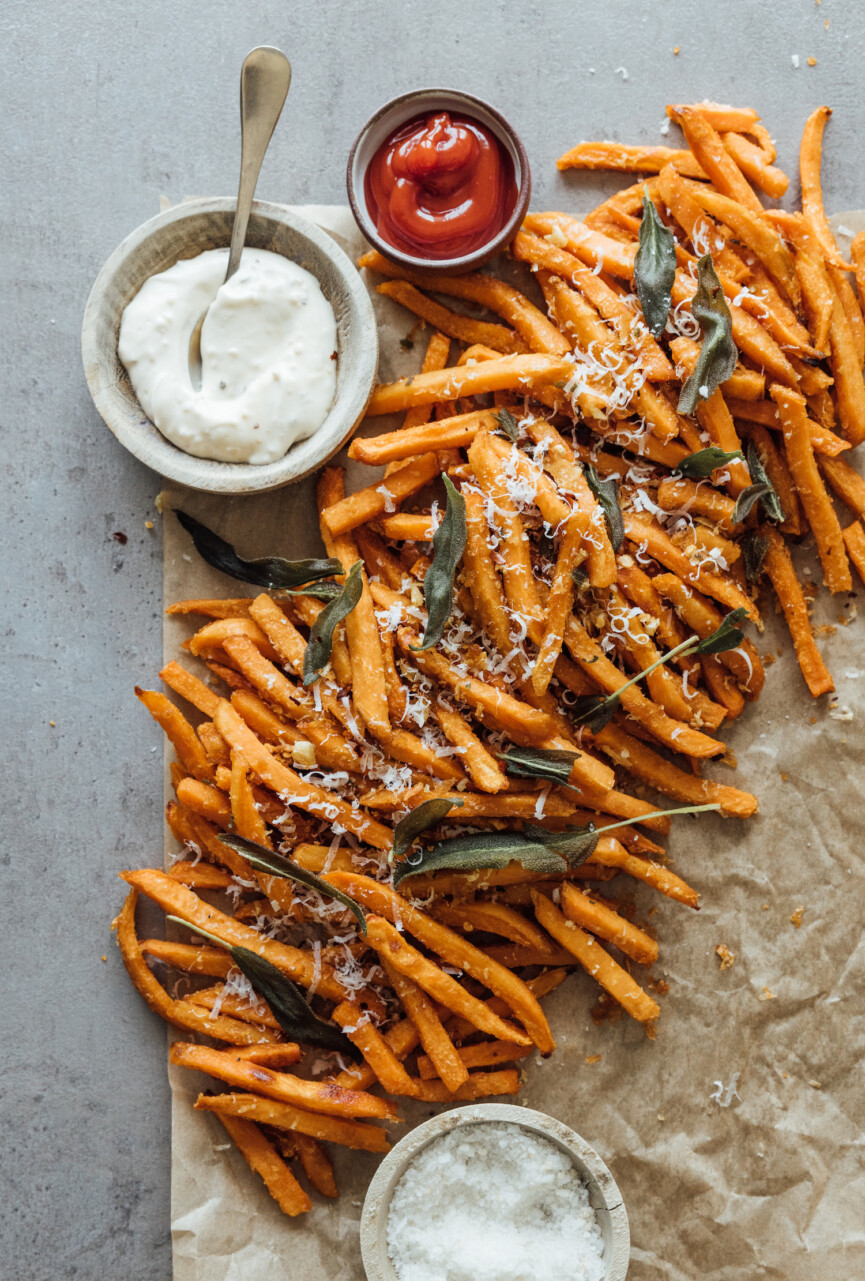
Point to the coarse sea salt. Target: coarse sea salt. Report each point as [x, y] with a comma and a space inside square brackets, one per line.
[493, 1202]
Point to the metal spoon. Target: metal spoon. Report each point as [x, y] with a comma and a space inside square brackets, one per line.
[264, 81]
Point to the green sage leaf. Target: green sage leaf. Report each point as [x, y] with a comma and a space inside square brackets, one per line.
[425, 815]
[289, 1007]
[654, 268]
[728, 635]
[508, 424]
[754, 548]
[579, 577]
[317, 652]
[747, 500]
[718, 354]
[483, 851]
[607, 494]
[552, 764]
[268, 571]
[701, 464]
[768, 495]
[449, 543]
[595, 711]
[327, 589]
[574, 844]
[265, 860]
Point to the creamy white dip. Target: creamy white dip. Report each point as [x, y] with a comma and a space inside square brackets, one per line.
[268, 347]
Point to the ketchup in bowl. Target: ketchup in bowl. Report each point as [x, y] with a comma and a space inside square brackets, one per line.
[440, 186]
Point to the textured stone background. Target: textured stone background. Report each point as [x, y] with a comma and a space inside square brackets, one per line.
[106, 108]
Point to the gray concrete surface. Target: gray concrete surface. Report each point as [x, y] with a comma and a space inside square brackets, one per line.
[106, 108]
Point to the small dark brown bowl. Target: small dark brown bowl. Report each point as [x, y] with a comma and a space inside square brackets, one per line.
[396, 113]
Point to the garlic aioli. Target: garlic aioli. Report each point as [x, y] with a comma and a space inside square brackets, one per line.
[268, 355]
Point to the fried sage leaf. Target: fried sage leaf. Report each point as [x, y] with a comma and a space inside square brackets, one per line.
[508, 424]
[607, 494]
[269, 571]
[597, 710]
[317, 652]
[265, 860]
[449, 543]
[425, 815]
[577, 844]
[718, 354]
[552, 764]
[762, 491]
[654, 268]
[287, 1004]
[701, 464]
[754, 548]
[482, 852]
[728, 634]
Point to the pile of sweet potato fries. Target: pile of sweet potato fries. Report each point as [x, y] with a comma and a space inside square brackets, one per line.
[440, 732]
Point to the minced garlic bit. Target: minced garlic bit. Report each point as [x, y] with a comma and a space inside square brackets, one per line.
[766, 995]
[148, 524]
[812, 62]
[677, 49]
[592, 1058]
[493, 1202]
[816, 1085]
[726, 956]
[796, 918]
[303, 754]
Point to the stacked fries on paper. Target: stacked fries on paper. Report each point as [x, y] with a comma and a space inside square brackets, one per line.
[591, 549]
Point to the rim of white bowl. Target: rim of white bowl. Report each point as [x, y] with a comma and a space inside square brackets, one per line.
[604, 1194]
[135, 431]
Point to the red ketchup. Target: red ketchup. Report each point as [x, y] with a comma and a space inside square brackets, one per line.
[440, 186]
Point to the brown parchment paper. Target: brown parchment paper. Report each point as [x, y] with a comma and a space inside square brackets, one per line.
[736, 1136]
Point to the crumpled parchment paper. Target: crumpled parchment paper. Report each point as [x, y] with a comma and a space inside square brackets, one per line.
[736, 1136]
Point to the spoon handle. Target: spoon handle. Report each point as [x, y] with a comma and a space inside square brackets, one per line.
[264, 80]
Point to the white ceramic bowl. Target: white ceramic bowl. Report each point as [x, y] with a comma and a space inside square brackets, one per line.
[183, 232]
[604, 1195]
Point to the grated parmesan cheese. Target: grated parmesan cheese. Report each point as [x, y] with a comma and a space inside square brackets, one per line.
[493, 1202]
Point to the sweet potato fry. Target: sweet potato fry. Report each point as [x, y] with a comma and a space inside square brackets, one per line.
[447, 433]
[810, 159]
[710, 152]
[484, 1054]
[401, 956]
[493, 918]
[430, 1029]
[847, 370]
[358, 1135]
[374, 1048]
[854, 541]
[595, 961]
[848, 485]
[809, 484]
[179, 732]
[367, 504]
[599, 919]
[480, 1085]
[464, 329]
[313, 1096]
[782, 575]
[262, 1157]
[180, 1014]
[753, 164]
[724, 119]
[480, 765]
[455, 951]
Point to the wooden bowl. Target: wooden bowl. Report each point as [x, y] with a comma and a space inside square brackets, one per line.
[184, 232]
[604, 1195]
[396, 113]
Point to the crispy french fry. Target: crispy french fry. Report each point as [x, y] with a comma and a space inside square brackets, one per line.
[480, 1085]
[779, 476]
[599, 919]
[358, 1135]
[628, 159]
[484, 1054]
[809, 484]
[374, 1048]
[200, 876]
[724, 119]
[430, 1029]
[313, 1096]
[180, 1014]
[847, 370]
[710, 152]
[782, 575]
[481, 766]
[493, 918]
[401, 956]
[315, 1164]
[455, 951]
[464, 329]
[753, 164]
[367, 504]
[848, 485]
[810, 158]
[854, 541]
[649, 537]
[179, 732]
[595, 961]
[262, 1157]
[447, 433]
